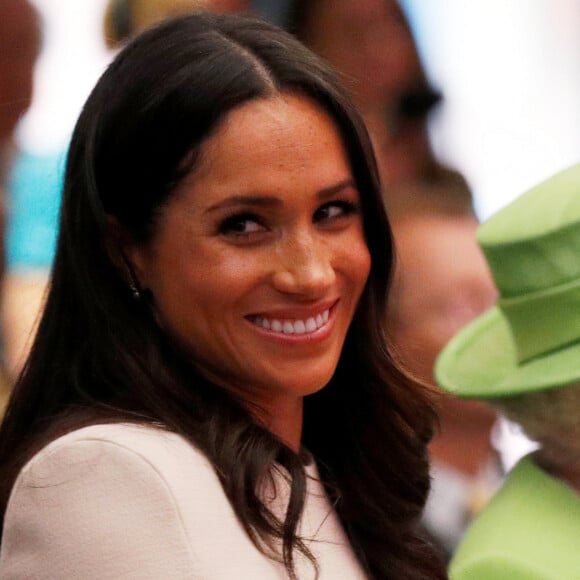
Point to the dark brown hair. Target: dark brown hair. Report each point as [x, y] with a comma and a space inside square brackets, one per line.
[99, 355]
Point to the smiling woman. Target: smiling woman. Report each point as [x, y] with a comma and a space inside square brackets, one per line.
[263, 238]
[210, 394]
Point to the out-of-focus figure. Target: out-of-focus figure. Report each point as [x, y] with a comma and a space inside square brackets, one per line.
[442, 281]
[371, 43]
[523, 357]
[20, 40]
[125, 18]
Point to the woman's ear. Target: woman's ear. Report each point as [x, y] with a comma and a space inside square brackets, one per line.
[126, 256]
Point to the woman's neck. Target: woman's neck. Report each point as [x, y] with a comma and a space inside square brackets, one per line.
[283, 417]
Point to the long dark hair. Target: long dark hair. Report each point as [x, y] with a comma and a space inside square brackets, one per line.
[99, 355]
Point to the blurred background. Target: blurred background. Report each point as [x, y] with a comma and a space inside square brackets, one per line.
[510, 74]
[508, 70]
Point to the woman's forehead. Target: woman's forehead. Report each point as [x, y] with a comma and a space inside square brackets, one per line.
[292, 123]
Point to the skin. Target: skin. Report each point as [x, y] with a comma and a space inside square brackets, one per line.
[442, 283]
[370, 42]
[19, 46]
[267, 226]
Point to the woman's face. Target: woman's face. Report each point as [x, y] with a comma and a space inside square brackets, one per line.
[260, 258]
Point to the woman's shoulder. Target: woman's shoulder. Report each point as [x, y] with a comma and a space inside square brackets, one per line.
[151, 443]
[90, 454]
[147, 440]
[111, 491]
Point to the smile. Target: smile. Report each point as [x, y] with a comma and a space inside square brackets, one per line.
[311, 324]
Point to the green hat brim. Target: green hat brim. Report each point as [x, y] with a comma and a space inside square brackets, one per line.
[480, 362]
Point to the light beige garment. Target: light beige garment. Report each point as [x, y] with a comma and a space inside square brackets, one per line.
[130, 502]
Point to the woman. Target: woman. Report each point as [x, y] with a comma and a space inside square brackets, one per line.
[523, 357]
[214, 334]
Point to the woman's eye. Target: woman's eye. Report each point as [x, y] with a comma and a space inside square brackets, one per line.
[241, 225]
[335, 210]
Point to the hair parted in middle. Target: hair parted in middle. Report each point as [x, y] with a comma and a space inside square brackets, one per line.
[99, 354]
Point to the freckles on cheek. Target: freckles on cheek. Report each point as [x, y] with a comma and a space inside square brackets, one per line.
[242, 268]
[235, 268]
[218, 283]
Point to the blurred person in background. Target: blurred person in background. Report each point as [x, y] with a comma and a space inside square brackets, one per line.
[20, 38]
[523, 357]
[442, 281]
[126, 18]
[371, 44]
[20, 41]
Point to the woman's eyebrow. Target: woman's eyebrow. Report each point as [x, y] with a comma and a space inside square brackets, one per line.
[236, 200]
[273, 201]
[334, 189]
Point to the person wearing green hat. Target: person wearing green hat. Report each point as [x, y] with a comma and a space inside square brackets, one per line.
[523, 357]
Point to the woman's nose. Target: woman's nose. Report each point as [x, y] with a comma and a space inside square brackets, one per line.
[304, 267]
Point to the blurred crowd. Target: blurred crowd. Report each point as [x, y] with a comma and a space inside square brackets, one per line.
[442, 280]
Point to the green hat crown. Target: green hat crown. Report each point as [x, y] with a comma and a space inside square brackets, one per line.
[533, 249]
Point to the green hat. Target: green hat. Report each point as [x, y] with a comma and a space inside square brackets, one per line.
[530, 340]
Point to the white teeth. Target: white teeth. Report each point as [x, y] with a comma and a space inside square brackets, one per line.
[293, 326]
[299, 327]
